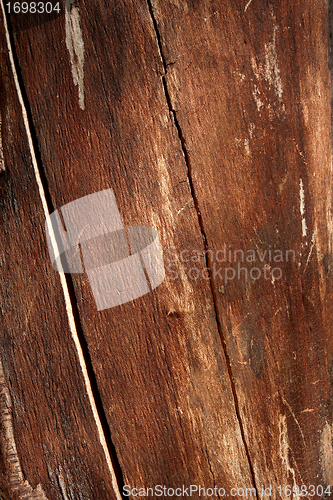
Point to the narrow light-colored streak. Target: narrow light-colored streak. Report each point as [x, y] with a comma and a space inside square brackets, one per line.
[68, 303]
[183, 208]
[285, 449]
[302, 207]
[307, 260]
[2, 161]
[214, 14]
[310, 252]
[62, 486]
[301, 194]
[247, 5]
[75, 46]
[294, 417]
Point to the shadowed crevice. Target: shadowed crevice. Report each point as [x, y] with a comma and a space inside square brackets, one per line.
[50, 207]
[204, 237]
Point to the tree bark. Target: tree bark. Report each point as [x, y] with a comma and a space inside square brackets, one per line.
[211, 122]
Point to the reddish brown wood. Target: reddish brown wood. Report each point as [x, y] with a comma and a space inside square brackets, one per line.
[251, 91]
[158, 361]
[49, 443]
[211, 123]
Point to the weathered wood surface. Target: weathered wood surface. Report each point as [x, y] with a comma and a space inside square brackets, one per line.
[50, 446]
[211, 123]
[252, 94]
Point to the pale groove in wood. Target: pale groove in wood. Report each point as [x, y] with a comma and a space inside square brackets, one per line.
[285, 454]
[68, 303]
[75, 46]
[247, 5]
[326, 453]
[302, 207]
[2, 160]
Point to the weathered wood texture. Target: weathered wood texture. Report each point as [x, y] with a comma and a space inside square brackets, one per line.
[48, 432]
[211, 123]
[252, 95]
[154, 358]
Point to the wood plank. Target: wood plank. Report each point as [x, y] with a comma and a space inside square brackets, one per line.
[158, 360]
[249, 83]
[50, 445]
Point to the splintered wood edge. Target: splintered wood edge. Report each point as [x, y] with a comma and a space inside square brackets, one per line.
[64, 286]
[16, 481]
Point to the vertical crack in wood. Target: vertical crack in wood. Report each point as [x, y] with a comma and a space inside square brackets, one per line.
[66, 282]
[204, 237]
[210, 466]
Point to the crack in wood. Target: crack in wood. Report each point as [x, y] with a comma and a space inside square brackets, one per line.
[210, 468]
[66, 284]
[204, 237]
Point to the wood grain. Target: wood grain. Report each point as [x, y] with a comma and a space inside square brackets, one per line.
[211, 121]
[158, 361]
[49, 442]
[251, 92]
